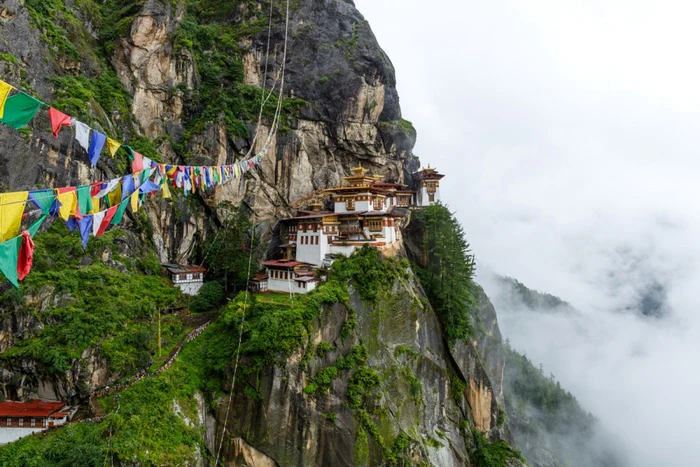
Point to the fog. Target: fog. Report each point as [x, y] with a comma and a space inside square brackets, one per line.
[568, 131]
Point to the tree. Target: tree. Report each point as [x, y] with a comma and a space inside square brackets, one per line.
[446, 267]
[228, 252]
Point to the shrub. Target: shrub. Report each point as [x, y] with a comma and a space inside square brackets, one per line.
[210, 296]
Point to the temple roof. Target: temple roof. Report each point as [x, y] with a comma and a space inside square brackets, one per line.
[284, 263]
[34, 408]
[428, 173]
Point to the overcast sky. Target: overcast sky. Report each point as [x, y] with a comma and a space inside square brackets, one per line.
[569, 133]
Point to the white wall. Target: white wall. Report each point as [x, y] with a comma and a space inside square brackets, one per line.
[281, 285]
[190, 288]
[8, 435]
[424, 198]
[312, 253]
[341, 249]
[363, 206]
[340, 207]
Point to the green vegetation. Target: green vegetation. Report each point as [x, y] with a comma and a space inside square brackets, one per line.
[8, 58]
[76, 94]
[60, 28]
[94, 305]
[144, 428]
[210, 296]
[532, 298]
[228, 251]
[369, 272]
[446, 268]
[488, 453]
[540, 402]
[322, 348]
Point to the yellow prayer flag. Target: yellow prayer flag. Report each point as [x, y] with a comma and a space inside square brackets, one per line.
[165, 189]
[95, 205]
[11, 209]
[113, 146]
[135, 201]
[115, 196]
[4, 92]
[68, 200]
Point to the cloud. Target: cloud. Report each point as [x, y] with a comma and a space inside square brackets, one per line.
[568, 131]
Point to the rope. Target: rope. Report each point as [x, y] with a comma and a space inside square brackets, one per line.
[263, 100]
[273, 129]
[238, 351]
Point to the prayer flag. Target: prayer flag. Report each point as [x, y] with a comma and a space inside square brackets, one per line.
[135, 202]
[97, 142]
[84, 200]
[115, 196]
[113, 146]
[9, 254]
[97, 219]
[107, 188]
[26, 255]
[137, 163]
[58, 120]
[119, 213]
[148, 187]
[4, 92]
[72, 224]
[128, 186]
[82, 133]
[19, 110]
[166, 190]
[85, 229]
[68, 201]
[42, 199]
[105, 218]
[11, 209]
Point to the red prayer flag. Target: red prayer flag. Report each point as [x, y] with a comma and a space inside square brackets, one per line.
[109, 214]
[137, 163]
[95, 188]
[58, 119]
[26, 256]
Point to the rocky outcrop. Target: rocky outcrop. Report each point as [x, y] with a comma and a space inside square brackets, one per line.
[417, 396]
[152, 71]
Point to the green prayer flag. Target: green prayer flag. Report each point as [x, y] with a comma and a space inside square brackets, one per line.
[146, 174]
[129, 151]
[19, 110]
[120, 211]
[84, 199]
[34, 228]
[9, 255]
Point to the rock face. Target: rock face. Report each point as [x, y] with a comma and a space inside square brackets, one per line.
[417, 396]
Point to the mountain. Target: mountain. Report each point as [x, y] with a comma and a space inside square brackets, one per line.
[392, 361]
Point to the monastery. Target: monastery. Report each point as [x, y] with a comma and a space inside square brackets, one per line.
[367, 211]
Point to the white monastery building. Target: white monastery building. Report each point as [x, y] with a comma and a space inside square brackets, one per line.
[367, 211]
[20, 419]
[189, 279]
[428, 181]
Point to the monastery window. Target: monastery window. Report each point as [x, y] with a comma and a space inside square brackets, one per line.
[9, 421]
[21, 422]
[33, 422]
[316, 240]
[350, 204]
[431, 197]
